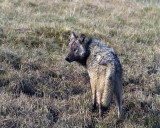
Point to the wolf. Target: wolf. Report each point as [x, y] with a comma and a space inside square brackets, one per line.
[104, 69]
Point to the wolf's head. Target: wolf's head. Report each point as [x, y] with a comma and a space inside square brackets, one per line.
[77, 48]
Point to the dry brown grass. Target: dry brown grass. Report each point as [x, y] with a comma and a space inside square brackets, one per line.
[39, 89]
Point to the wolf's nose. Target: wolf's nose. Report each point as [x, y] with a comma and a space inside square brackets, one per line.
[67, 59]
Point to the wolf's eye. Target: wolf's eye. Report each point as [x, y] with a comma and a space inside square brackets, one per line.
[74, 50]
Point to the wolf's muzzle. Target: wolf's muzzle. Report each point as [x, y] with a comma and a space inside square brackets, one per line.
[67, 59]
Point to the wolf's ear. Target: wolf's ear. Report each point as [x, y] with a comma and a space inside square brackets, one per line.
[82, 37]
[73, 36]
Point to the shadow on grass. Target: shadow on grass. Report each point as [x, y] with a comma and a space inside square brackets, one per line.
[134, 80]
[11, 59]
[49, 82]
[141, 114]
[22, 111]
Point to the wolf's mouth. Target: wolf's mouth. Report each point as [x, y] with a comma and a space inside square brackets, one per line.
[67, 59]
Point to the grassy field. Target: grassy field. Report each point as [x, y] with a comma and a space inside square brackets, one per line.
[38, 88]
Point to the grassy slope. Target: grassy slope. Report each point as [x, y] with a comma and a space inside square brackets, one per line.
[39, 89]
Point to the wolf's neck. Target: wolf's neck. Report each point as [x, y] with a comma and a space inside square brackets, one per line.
[87, 54]
[93, 43]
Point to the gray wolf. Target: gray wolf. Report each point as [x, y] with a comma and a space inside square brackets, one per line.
[103, 67]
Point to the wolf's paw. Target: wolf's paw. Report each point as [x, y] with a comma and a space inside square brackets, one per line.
[93, 108]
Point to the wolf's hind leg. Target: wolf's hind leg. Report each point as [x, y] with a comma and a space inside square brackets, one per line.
[99, 98]
[92, 82]
[108, 88]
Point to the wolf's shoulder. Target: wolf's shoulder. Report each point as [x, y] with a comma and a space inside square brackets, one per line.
[104, 54]
[100, 48]
[97, 46]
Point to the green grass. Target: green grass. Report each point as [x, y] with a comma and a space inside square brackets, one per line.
[38, 88]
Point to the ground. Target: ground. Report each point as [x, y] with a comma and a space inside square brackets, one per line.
[38, 88]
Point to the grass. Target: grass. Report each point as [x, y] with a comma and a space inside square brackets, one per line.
[38, 88]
